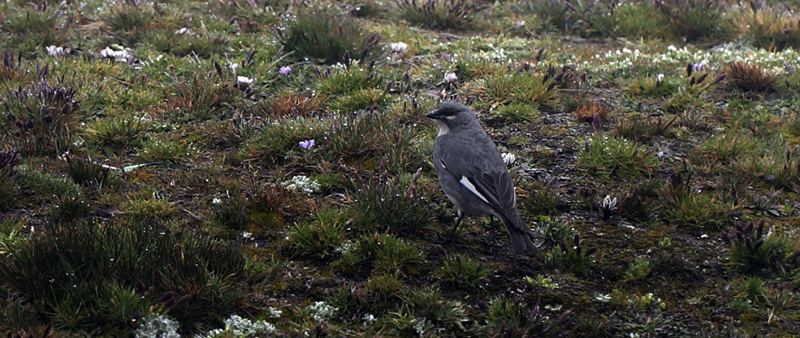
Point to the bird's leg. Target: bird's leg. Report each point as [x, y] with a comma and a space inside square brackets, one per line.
[492, 232]
[455, 227]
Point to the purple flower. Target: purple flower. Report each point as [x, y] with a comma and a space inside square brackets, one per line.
[447, 57]
[698, 66]
[307, 144]
[285, 70]
[520, 23]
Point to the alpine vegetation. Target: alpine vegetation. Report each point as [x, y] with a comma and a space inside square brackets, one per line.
[266, 168]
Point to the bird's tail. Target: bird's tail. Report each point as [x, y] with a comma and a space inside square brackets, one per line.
[521, 236]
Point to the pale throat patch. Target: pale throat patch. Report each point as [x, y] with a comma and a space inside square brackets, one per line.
[443, 129]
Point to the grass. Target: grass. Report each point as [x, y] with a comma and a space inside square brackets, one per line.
[442, 14]
[34, 28]
[752, 250]
[86, 172]
[127, 262]
[8, 160]
[460, 271]
[379, 254]
[570, 256]
[39, 119]
[613, 156]
[320, 238]
[773, 29]
[326, 37]
[699, 21]
[749, 78]
[264, 168]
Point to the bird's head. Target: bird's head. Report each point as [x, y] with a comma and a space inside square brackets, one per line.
[452, 116]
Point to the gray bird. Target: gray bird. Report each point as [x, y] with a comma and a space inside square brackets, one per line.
[472, 172]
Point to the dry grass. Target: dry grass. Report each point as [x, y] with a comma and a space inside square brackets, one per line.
[750, 78]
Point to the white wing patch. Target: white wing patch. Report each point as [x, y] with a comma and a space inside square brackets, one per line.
[471, 187]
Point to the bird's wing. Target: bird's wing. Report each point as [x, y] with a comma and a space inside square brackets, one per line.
[499, 185]
[482, 173]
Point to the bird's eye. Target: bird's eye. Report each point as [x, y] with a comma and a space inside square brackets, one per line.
[449, 113]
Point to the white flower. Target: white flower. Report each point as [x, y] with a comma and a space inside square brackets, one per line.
[157, 325]
[343, 248]
[244, 327]
[321, 311]
[609, 203]
[236, 326]
[243, 80]
[660, 77]
[450, 77]
[398, 47]
[422, 325]
[273, 312]
[509, 158]
[603, 298]
[107, 53]
[304, 184]
[118, 55]
[56, 51]
[369, 318]
[233, 66]
[216, 201]
[183, 31]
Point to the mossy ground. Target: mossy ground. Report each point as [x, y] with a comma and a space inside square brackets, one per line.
[160, 163]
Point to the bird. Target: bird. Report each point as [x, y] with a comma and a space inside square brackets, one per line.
[473, 175]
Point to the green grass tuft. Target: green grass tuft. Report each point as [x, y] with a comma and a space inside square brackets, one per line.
[772, 29]
[442, 14]
[379, 203]
[138, 269]
[8, 186]
[462, 272]
[699, 21]
[379, 254]
[754, 249]
[320, 237]
[570, 256]
[326, 38]
[510, 318]
[32, 29]
[39, 120]
[86, 172]
[613, 156]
